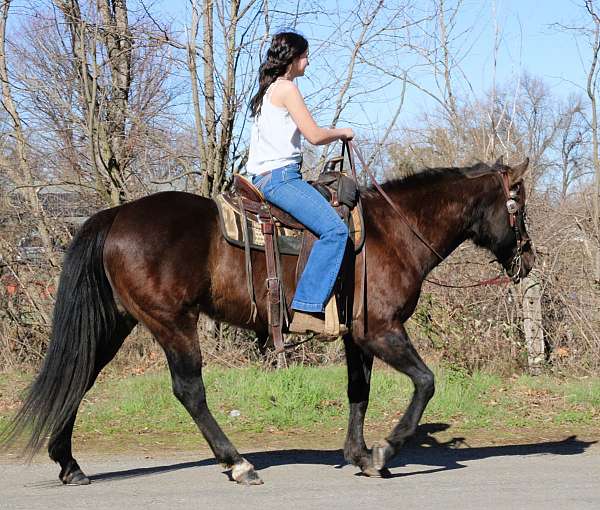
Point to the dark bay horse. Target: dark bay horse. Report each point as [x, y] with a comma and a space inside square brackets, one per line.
[161, 261]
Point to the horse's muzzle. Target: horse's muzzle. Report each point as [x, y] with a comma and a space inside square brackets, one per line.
[522, 262]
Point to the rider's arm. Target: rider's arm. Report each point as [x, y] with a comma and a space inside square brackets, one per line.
[293, 101]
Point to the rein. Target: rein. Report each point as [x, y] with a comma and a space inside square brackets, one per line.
[511, 204]
[497, 280]
[415, 231]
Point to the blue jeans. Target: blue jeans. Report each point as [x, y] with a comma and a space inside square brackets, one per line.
[285, 188]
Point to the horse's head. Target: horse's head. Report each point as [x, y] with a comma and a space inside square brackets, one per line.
[501, 225]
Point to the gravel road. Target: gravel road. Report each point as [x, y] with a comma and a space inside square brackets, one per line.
[546, 474]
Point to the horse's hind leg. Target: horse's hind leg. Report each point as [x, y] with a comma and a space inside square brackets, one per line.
[395, 348]
[359, 364]
[60, 443]
[185, 363]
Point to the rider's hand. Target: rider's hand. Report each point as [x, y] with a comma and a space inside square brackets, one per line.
[347, 134]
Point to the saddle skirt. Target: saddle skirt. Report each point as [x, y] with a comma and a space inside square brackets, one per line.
[231, 221]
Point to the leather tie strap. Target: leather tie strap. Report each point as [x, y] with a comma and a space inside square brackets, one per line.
[248, 261]
[273, 281]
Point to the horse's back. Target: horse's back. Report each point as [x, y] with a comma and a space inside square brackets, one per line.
[168, 207]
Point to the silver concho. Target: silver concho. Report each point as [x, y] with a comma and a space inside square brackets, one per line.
[512, 206]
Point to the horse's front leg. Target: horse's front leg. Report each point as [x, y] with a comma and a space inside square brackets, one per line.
[359, 364]
[395, 348]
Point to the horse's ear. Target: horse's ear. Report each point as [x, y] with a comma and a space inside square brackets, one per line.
[516, 173]
[499, 162]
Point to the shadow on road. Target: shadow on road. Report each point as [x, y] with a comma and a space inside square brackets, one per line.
[422, 449]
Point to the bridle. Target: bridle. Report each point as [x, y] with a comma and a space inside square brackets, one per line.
[516, 217]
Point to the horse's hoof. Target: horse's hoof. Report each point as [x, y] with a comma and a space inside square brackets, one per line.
[76, 477]
[379, 454]
[244, 473]
[371, 472]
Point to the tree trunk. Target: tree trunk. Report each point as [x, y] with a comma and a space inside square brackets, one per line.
[209, 101]
[25, 177]
[106, 109]
[229, 100]
[591, 91]
[532, 324]
[193, 70]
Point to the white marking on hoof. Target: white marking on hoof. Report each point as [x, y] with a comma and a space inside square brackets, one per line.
[371, 472]
[378, 454]
[240, 469]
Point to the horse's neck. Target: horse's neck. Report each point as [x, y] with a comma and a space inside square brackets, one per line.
[443, 221]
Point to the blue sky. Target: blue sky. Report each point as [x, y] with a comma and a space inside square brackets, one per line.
[528, 43]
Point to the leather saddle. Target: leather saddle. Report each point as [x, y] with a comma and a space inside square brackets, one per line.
[247, 220]
[253, 202]
[240, 208]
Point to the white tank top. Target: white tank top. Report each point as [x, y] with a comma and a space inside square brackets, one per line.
[274, 139]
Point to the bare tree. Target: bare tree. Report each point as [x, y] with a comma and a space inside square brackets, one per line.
[99, 102]
[365, 34]
[572, 143]
[217, 101]
[24, 178]
[105, 105]
[592, 91]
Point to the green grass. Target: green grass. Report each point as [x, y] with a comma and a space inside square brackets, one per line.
[314, 399]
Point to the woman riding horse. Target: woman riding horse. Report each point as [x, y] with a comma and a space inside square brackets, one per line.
[280, 116]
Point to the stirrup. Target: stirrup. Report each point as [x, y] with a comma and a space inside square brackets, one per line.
[327, 330]
[332, 319]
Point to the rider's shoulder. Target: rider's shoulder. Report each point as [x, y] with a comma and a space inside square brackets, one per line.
[285, 91]
[287, 86]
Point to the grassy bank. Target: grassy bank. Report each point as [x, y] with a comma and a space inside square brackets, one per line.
[312, 399]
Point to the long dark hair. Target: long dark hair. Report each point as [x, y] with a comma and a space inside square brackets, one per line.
[285, 47]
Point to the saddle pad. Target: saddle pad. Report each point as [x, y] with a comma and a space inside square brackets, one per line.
[289, 240]
[231, 222]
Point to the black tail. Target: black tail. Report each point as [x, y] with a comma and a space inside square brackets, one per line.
[85, 314]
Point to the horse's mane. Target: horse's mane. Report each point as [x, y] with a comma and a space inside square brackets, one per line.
[427, 176]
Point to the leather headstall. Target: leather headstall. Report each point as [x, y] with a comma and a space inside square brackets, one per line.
[516, 217]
